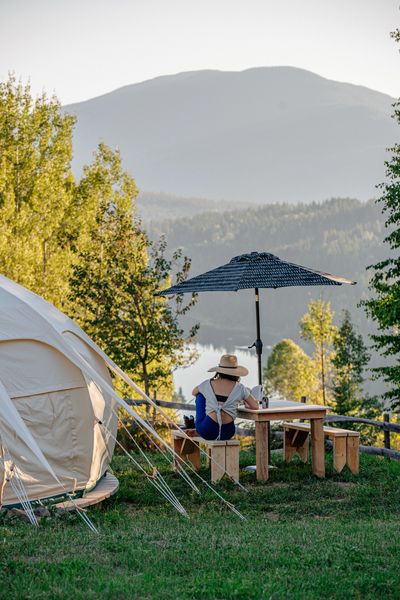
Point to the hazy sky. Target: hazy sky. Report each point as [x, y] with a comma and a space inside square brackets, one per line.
[83, 48]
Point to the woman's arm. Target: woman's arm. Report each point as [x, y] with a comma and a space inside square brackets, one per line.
[251, 402]
[195, 391]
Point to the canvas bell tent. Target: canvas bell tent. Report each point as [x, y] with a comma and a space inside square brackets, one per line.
[58, 419]
[50, 407]
[58, 408]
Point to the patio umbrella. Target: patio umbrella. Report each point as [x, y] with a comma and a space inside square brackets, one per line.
[254, 271]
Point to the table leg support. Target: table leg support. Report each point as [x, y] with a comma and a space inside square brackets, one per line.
[262, 457]
[318, 447]
[353, 454]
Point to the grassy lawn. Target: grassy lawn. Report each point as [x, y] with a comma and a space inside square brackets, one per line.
[302, 538]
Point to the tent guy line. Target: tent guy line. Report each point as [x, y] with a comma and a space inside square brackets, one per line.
[81, 368]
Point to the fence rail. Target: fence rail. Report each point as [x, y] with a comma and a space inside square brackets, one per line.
[164, 403]
[384, 425]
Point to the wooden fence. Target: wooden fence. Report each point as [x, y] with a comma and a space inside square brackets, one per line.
[386, 426]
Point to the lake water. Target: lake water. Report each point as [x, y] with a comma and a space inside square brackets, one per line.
[209, 357]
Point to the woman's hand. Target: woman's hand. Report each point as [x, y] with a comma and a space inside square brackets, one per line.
[195, 391]
[251, 402]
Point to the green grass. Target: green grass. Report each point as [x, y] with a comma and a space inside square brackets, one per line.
[302, 538]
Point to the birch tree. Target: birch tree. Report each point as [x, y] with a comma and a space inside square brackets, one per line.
[317, 327]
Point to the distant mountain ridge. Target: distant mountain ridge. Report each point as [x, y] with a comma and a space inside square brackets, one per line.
[154, 207]
[270, 134]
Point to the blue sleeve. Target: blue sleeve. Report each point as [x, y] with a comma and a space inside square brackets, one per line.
[200, 407]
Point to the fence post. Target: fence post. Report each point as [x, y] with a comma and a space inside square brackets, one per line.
[303, 400]
[154, 409]
[386, 434]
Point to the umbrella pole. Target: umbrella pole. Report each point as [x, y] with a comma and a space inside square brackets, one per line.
[258, 343]
[259, 348]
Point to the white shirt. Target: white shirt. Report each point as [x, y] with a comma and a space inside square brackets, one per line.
[238, 395]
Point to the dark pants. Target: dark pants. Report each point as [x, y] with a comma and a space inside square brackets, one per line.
[207, 427]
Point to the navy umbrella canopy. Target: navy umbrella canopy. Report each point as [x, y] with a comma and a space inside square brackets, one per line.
[255, 270]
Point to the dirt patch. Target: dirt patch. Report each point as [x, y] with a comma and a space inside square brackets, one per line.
[268, 487]
[272, 516]
[130, 507]
[160, 543]
[346, 485]
[278, 486]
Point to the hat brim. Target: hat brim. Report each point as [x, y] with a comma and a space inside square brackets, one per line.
[236, 371]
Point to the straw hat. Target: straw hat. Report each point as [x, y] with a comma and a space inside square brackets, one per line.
[229, 366]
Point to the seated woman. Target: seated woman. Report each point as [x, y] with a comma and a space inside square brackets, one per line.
[217, 400]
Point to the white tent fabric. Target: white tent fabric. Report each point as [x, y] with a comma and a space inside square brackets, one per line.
[13, 426]
[57, 403]
[57, 326]
[50, 405]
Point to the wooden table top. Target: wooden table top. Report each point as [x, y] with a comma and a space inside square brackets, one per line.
[282, 410]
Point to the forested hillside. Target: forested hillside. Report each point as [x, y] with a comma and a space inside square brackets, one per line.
[341, 236]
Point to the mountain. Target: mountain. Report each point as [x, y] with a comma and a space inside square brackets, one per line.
[270, 134]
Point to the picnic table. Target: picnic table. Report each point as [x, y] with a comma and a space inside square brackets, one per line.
[285, 410]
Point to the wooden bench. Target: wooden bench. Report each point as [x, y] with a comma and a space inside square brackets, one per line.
[223, 456]
[346, 445]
